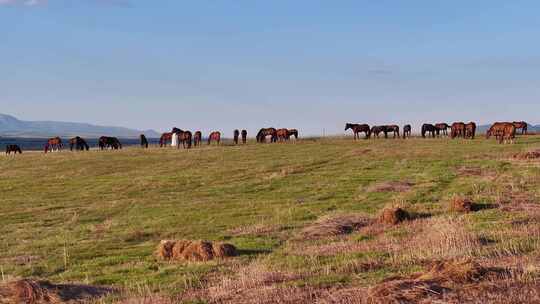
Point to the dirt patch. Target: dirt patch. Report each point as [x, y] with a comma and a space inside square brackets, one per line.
[393, 216]
[196, 251]
[461, 204]
[42, 292]
[531, 155]
[328, 226]
[396, 186]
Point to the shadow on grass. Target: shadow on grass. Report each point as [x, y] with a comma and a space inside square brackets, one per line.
[479, 207]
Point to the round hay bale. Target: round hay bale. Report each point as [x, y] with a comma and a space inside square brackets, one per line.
[461, 204]
[223, 250]
[28, 292]
[393, 216]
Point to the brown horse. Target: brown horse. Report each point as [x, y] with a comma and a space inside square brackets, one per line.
[244, 136]
[503, 132]
[470, 130]
[144, 142]
[357, 129]
[429, 128]
[106, 142]
[457, 130]
[407, 130]
[442, 127]
[282, 134]
[376, 130]
[165, 139]
[236, 136]
[13, 148]
[184, 138]
[53, 144]
[265, 132]
[197, 138]
[522, 126]
[214, 136]
[78, 143]
[391, 128]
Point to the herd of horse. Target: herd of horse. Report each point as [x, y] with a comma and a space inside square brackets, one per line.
[503, 131]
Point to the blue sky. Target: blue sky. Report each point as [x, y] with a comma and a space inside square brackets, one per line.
[312, 65]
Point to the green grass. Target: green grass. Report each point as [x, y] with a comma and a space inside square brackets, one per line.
[97, 217]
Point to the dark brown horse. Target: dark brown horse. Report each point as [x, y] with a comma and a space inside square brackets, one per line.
[265, 132]
[503, 132]
[197, 138]
[78, 143]
[407, 130]
[183, 137]
[357, 129]
[521, 125]
[244, 136]
[442, 128]
[214, 136]
[13, 148]
[106, 142]
[53, 144]
[457, 130]
[144, 142]
[236, 136]
[282, 134]
[391, 128]
[429, 128]
[470, 130]
[376, 130]
[165, 139]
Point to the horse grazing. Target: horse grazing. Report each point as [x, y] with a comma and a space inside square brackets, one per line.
[53, 144]
[429, 128]
[503, 132]
[165, 139]
[357, 129]
[391, 128]
[13, 148]
[78, 143]
[376, 130]
[407, 130]
[236, 136]
[197, 138]
[264, 132]
[457, 130]
[244, 136]
[181, 137]
[106, 142]
[442, 127]
[144, 141]
[521, 125]
[292, 132]
[470, 130]
[214, 136]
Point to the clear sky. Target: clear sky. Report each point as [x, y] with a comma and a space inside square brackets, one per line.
[311, 65]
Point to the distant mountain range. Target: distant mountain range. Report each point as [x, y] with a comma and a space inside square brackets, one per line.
[13, 127]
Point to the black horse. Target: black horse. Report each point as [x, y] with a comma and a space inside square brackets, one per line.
[407, 130]
[264, 132]
[78, 143]
[13, 148]
[144, 142]
[106, 142]
[236, 136]
[429, 128]
[244, 136]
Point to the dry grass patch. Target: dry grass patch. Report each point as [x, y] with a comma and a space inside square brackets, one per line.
[396, 186]
[461, 204]
[255, 230]
[335, 225]
[530, 155]
[195, 251]
[42, 292]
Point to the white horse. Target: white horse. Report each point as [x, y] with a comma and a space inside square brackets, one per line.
[174, 140]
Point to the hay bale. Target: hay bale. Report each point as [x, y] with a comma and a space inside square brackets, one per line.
[328, 226]
[393, 216]
[457, 272]
[461, 204]
[195, 251]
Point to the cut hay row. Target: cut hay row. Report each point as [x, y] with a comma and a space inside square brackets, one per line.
[195, 251]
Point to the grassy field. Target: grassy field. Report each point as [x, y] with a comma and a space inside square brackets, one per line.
[97, 217]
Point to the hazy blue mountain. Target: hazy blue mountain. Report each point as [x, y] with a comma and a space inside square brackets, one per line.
[13, 127]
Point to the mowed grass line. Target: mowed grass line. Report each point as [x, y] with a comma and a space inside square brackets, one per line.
[97, 217]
